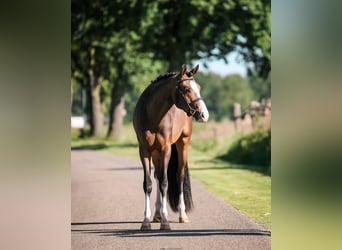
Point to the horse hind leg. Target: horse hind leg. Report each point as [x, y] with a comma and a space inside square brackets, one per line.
[183, 218]
[185, 199]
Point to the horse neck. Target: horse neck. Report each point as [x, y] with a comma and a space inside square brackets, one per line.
[162, 99]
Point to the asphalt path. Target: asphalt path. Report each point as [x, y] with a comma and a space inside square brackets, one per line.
[107, 207]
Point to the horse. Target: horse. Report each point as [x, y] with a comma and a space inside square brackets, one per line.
[162, 122]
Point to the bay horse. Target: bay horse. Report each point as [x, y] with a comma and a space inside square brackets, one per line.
[162, 122]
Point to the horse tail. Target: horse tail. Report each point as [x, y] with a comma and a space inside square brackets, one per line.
[189, 204]
[173, 183]
[173, 187]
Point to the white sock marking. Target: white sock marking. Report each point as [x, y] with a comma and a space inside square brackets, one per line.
[147, 207]
[181, 205]
[163, 209]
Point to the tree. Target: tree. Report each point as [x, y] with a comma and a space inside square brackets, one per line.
[100, 33]
[130, 69]
[261, 87]
[76, 99]
[86, 53]
[178, 32]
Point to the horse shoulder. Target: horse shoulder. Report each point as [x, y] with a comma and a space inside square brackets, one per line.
[187, 128]
[180, 126]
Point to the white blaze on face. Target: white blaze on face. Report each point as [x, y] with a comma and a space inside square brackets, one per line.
[203, 108]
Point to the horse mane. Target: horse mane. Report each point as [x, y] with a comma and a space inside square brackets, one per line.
[164, 76]
[168, 75]
[159, 80]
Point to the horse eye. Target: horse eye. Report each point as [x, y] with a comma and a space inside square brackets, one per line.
[186, 90]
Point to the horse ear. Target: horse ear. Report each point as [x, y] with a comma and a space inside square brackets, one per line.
[183, 70]
[194, 70]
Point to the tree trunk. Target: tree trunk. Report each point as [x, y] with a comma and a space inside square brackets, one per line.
[117, 105]
[97, 114]
[95, 80]
[117, 113]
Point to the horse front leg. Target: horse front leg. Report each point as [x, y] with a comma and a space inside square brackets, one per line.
[147, 186]
[163, 185]
[157, 217]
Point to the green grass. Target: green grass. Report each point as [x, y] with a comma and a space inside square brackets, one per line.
[246, 190]
[242, 186]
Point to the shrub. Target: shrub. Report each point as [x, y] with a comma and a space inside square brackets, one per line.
[252, 149]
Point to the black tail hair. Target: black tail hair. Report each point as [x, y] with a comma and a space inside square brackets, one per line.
[173, 183]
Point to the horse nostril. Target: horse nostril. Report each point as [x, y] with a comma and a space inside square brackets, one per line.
[202, 115]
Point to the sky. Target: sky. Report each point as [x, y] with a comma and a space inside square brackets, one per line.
[219, 66]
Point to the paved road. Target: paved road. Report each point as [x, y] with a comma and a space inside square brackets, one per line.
[108, 203]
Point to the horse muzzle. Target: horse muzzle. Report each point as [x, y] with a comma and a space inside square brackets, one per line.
[201, 116]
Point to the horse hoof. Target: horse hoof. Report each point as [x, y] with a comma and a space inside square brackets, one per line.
[145, 226]
[165, 226]
[157, 218]
[183, 220]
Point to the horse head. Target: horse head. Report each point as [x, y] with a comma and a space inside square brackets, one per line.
[188, 97]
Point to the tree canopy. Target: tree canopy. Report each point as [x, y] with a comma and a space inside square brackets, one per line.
[188, 30]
